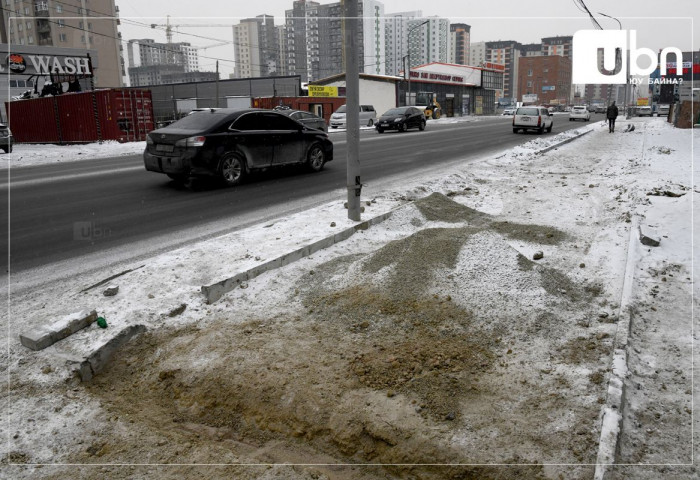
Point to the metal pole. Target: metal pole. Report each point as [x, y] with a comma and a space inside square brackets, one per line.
[217, 84]
[352, 92]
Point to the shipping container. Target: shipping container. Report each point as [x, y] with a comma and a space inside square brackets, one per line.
[120, 114]
[321, 106]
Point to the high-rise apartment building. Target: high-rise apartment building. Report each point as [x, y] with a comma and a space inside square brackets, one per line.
[152, 63]
[477, 54]
[459, 43]
[506, 53]
[560, 45]
[256, 47]
[373, 37]
[78, 24]
[429, 43]
[396, 27]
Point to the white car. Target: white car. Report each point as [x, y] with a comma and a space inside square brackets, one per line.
[644, 111]
[532, 118]
[579, 112]
[508, 111]
[368, 116]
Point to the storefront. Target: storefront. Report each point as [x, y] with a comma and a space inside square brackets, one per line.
[459, 89]
[47, 70]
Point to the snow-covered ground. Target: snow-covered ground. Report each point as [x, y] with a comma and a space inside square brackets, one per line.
[586, 189]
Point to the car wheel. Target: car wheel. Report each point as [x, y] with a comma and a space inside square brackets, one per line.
[370, 123]
[515, 130]
[7, 149]
[549, 129]
[232, 169]
[436, 114]
[316, 158]
[540, 130]
[421, 125]
[571, 119]
[380, 130]
[402, 127]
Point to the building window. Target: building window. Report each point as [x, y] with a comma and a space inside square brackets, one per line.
[61, 23]
[30, 39]
[529, 84]
[529, 72]
[62, 37]
[29, 25]
[59, 8]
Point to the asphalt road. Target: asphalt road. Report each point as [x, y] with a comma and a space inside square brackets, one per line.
[64, 211]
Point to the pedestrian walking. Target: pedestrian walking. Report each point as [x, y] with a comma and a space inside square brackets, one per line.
[611, 115]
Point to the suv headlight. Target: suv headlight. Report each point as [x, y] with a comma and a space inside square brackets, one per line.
[398, 119]
[149, 140]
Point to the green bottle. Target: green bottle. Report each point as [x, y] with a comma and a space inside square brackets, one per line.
[101, 322]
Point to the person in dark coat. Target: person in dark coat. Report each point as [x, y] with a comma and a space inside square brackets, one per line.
[611, 115]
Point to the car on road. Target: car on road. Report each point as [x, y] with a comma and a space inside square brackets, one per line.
[579, 112]
[662, 110]
[6, 138]
[368, 116]
[508, 111]
[306, 118]
[644, 111]
[401, 119]
[230, 143]
[601, 109]
[532, 118]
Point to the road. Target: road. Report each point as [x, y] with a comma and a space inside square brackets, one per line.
[59, 213]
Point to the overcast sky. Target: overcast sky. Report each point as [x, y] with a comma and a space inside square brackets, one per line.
[659, 23]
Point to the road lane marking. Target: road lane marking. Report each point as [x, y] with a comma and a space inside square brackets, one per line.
[42, 181]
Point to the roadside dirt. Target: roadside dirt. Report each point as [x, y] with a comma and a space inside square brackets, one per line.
[448, 346]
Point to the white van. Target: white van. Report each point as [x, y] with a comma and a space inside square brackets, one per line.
[368, 116]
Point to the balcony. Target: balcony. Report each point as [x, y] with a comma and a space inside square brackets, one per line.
[41, 9]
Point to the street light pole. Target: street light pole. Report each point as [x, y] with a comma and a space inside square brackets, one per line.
[410, 31]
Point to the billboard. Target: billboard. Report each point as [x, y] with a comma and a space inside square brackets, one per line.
[530, 98]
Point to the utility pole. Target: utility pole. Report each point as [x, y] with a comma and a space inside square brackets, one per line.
[352, 94]
[217, 84]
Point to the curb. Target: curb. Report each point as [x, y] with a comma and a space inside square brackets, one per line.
[564, 142]
[216, 290]
[612, 412]
[98, 360]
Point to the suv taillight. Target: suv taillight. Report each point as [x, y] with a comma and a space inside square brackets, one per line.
[539, 120]
[191, 142]
[513, 119]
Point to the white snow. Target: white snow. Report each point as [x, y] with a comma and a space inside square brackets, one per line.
[167, 280]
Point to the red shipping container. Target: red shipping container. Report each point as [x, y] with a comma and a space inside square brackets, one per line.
[323, 105]
[118, 114]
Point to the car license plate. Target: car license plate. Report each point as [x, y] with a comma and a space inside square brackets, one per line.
[164, 148]
[384, 124]
[525, 119]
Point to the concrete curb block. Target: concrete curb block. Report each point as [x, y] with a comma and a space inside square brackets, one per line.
[44, 337]
[216, 290]
[612, 412]
[564, 142]
[98, 360]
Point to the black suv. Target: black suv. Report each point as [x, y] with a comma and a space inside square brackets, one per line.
[6, 138]
[229, 143]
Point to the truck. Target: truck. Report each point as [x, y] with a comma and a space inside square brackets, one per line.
[427, 101]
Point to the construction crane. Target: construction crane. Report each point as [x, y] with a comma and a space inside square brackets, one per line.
[169, 34]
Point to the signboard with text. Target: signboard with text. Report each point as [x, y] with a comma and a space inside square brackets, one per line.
[321, 91]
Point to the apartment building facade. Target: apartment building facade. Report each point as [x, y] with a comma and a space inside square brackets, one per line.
[459, 43]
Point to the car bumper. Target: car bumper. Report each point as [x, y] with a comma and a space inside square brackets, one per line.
[388, 125]
[579, 117]
[164, 164]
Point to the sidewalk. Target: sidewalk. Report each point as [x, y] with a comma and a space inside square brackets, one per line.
[432, 337]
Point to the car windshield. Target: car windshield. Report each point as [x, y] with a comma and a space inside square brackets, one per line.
[527, 111]
[341, 109]
[396, 111]
[198, 121]
[579, 108]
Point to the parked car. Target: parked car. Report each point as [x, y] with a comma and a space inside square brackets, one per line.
[508, 111]
[230, 143]
[306, 118]
[532, 118]
[662, 110]
[368, 116]
[579, 112]
[644, 111]
[6, 138]
[401, 119]
[203, 109]
[601, 109]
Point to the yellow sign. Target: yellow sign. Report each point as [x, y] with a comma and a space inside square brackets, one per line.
[642, 101]
[319, 91]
